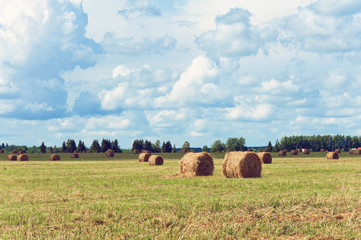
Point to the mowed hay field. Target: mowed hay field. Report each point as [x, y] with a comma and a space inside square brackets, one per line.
[95, 197]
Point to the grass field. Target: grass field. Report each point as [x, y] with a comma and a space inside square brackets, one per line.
[298, 197]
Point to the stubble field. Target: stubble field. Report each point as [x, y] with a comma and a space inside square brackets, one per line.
[95, 197]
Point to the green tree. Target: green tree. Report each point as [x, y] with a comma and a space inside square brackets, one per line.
[269, 147]
[277, 146]
[174, 149]
[138, 144]
[167, 147]
[105, 145]
[42, 148]
[148, 145]
[63, 147]
[70, 146]
[156, 147]
[235, 144]
[95, 147]
[115, 146]
[81, 146]
[205, 148]
[218, 146]
[186, 147]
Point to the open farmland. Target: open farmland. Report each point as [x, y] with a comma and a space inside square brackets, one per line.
[94, 197]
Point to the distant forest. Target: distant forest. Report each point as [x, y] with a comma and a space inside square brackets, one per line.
[314, 143]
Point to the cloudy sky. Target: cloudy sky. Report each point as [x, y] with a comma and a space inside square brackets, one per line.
[181, 70]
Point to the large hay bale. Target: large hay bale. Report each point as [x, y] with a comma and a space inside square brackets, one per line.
[144, 157]
[74, 155]
[282, 153]
[109, 153]
[242, 165]
[11, 157]
[14, 151]
[23, 157]
[136, 151]
[54, 157]
[198, 164]
[294, 152]
[155, 160]
[265, 157]
[332, 155]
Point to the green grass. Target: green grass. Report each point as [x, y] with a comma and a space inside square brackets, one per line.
[298, 197]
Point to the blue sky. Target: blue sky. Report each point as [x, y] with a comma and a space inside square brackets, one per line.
[183, 70]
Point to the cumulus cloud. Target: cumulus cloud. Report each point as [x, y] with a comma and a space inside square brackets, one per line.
[234, 36]
[139, 8]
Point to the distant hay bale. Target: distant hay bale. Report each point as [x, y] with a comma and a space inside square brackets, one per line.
[155, 160]
[54, 157]
[357, 152]
[306, 151]
[242, 165]
[144, 157]
[84, 151]
[323, 150]
[265, 157]
[74, 155]
[338, 151]
[146, 151]
[299, 150]
[90, 151]
[2, 151]
[136, 151]
[282, 153]
[109, 153]
[75, 151]
[197, 164]
[294, 152]
[20, 152]
[23, 157]
[332, 155]
[11, 157]
[14, 151]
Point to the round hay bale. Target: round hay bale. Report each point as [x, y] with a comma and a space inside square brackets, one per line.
[265, 157]
[2, 151]
[144, 157]
[338, 151]
[136, 151]
[109, 153]
[357, 152]
[294, 152]
[332, 155]
[23, 157]
[14, 151]
[54, 157]
[155, 160]
[90, 151]
[20, 152]
[11, 157]
[242, 165]
[282, 153]
[197, 164]
[74, 155]
[322, 150]
[75, 151]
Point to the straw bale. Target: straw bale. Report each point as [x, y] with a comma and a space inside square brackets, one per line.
[294, 152]
[306, 151]
[332, 155]
[23, 157]
[74, 155]
[14, 151]
[2, 151]
[11, 157]
[242, 165]
[54, 157]
[265, 157]
[144, 157]
[155, 160]
[197, 164]
[282, 153]
[109, 153]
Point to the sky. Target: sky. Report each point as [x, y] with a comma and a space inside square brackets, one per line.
[181, 70]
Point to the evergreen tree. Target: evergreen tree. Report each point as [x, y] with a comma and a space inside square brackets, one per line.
[81, 146]
[55, 149]
[138, 144]
[115, 146]
[105, 145]
[42, 148]
[148, 145]
[63, 147]
[70, 146]
[95, 147]
[167, 147]
[277, 147]
[269, 147]
[174, 149]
